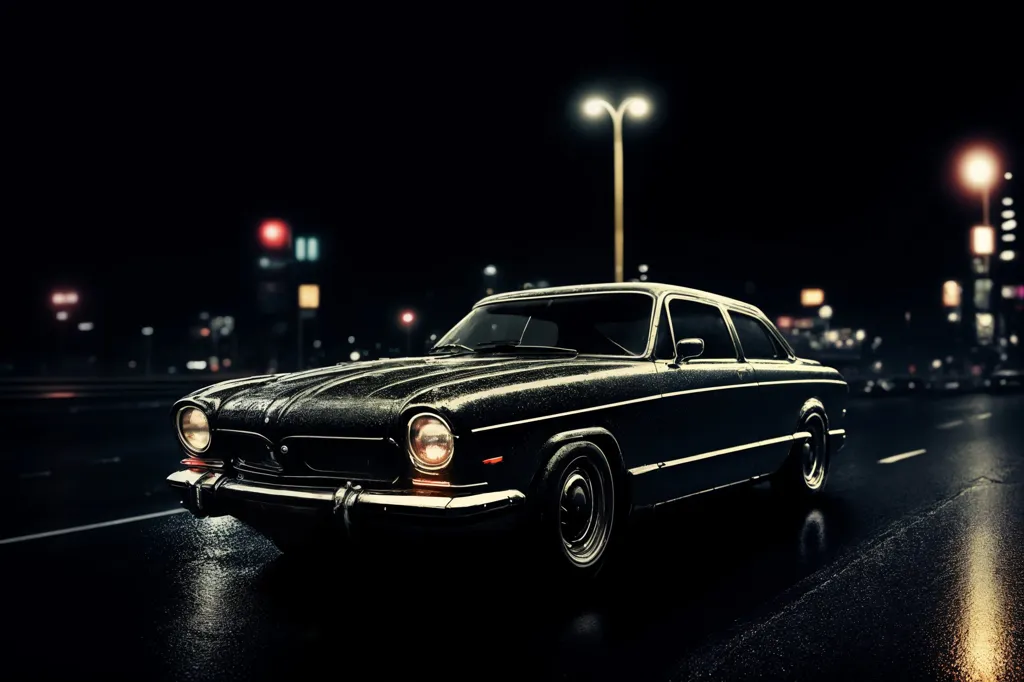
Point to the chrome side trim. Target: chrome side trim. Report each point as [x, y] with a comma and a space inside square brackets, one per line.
[801, 435]
[802, 381]
[331, 438]
[837, 432]
[647, 468]
[566, 414]
[673, 394]
[654, 397]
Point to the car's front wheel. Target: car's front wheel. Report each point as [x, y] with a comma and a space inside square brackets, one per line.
[576, 510]
[806, 471]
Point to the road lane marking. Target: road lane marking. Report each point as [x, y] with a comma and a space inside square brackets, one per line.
[36, 474]
[983, 415]
[901, 457]
[949, 425]
[91, 526]
[109, 460]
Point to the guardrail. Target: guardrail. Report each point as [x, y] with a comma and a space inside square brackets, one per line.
[91, 388]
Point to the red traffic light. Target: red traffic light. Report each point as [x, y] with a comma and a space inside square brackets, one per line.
[275, 234]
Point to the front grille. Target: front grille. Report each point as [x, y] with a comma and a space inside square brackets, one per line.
[369, 460]
[245, 448]
[309, 460]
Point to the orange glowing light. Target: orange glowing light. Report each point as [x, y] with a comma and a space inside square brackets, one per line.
[408, 317]
[493, 460]
[983, 240]
[812, 298]
[434, 484]
[205, 331]
[951, 294]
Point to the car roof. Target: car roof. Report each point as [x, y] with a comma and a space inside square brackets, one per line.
[652, 288]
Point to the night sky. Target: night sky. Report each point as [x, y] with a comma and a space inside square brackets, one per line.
[142, 152]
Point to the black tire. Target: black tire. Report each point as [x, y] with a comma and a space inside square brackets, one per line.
[805, 473]
[575, 511]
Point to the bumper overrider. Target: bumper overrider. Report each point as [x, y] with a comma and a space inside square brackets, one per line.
[211, 493]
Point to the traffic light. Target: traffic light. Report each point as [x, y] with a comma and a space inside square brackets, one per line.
[275, 235]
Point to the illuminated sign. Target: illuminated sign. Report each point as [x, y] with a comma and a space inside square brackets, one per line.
[811, 298]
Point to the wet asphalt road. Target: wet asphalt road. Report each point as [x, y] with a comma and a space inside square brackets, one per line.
[907, 570]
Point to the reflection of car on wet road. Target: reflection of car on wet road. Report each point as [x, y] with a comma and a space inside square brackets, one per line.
[563, 408]
[1006, 378]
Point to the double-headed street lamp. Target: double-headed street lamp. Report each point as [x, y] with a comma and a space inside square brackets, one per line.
[637, 107]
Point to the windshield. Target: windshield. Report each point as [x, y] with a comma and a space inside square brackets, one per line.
[600, 324]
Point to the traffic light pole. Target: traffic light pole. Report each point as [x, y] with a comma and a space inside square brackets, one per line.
[298, 356]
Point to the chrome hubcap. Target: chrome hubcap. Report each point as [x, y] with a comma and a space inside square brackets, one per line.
[585, 509]
[814, 456]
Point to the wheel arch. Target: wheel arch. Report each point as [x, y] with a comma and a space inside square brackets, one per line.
[603, 439]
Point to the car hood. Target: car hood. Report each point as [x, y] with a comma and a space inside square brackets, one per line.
[362, 399]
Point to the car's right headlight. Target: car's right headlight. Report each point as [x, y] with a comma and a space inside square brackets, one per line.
[431, 442]
[193, 429]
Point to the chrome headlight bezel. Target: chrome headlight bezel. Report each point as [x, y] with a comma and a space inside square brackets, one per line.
[420, 465]
[181, 435]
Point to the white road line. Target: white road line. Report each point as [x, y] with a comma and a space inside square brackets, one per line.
[949, 425]
[36, 474]
[109, 460]
[983, 415]
[902, 456]
[91, 526]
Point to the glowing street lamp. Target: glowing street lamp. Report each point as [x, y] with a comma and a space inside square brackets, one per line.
[979, 169]
[407, 318]
[638, 108]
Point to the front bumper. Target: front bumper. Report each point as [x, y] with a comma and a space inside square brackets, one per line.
[209, 493]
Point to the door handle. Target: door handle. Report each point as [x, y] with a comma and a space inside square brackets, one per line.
[742, 372]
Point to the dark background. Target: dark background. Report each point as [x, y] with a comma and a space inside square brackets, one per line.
[143, 149]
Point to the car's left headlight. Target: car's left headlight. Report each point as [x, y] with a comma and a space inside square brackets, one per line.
[431, 442]
[193, 429]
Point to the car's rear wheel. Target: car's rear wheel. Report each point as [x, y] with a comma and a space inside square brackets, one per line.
[806, 471]
[576, 510]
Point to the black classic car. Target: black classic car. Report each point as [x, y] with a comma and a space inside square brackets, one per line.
[561, 409]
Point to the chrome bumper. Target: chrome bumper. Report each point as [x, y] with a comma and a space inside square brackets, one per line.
[207, 493]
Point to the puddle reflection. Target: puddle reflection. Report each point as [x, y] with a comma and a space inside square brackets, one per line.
[983, 639]
[812, 535]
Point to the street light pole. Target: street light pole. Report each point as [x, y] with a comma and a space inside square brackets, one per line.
[638, 108]
[619, 196]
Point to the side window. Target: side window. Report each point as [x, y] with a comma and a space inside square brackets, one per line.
[755, 339]
[701, 321]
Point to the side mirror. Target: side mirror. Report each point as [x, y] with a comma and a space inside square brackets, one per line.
[687, 349]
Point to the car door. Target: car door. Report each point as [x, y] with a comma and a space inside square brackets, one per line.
[778, 399]
[703, 402]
